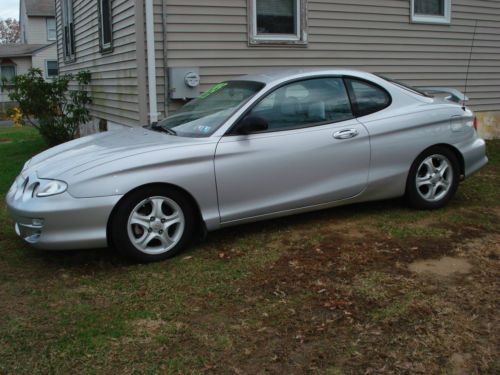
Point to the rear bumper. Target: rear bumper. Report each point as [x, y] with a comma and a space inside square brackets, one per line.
[474, 154]
[62, 222]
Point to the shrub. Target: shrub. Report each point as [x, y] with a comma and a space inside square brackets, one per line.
[59, 111]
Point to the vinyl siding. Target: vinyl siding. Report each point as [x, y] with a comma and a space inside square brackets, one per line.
[212, 34]
[36, 30]
[114, 86]
[40, 57]
[361, 34]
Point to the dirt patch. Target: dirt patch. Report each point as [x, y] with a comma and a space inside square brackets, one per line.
[351, 283]
[444, 266]
[148, 326]
[487, 247]
[5, 140]
[458, 364]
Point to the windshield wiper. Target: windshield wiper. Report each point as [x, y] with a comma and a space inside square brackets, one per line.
[162, 129]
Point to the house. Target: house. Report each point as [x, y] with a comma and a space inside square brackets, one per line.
[37, 48]
[148, 56]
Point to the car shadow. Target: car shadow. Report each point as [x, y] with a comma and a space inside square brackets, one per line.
[104, 259]
[310, 218]
[93, 259]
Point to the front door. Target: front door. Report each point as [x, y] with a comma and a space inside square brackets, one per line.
[314, 152]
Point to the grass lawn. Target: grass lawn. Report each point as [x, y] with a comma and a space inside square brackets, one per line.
[340, 291]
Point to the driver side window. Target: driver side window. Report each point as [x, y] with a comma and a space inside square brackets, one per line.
[304, 103]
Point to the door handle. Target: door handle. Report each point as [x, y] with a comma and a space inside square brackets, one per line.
[345, 134]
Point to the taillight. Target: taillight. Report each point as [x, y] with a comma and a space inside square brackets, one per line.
[475, 123]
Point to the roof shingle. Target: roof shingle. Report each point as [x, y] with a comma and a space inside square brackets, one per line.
[19, 50]
[43, 8]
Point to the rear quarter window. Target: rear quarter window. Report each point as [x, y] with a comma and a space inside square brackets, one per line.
[367, 97]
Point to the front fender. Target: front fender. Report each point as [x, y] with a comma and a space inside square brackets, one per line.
[190, 168]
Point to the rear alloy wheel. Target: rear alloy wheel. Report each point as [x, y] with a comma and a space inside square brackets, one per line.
[433, 179]
[153, 224]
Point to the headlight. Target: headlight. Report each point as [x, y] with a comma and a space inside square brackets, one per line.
[50, 187]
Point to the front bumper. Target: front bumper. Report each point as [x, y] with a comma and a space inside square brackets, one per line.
[61, 222]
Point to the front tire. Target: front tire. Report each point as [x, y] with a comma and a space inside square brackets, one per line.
[433, 179]
[152, 224]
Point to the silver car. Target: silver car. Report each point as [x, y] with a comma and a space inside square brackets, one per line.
[250, 149]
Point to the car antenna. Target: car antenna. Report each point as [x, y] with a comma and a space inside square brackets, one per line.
[468, 65]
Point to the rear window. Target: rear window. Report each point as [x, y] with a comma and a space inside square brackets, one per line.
[367, 97]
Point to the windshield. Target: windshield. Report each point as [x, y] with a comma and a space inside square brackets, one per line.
[403, 85]
[203, 116]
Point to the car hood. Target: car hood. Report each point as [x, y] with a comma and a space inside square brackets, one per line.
[85, 153]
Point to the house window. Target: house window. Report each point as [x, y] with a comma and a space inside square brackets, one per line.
[105, 25]
[68, 30]
[431, 11]
[51, 68]
[51, 29]
[7, 72]
[277, 21]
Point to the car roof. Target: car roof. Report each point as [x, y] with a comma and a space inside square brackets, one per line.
[276, 76]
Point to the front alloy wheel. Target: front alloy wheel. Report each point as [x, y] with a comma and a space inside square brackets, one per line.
[152, 223]
[156, 225]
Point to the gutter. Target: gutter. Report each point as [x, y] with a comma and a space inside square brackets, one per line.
[150, 44]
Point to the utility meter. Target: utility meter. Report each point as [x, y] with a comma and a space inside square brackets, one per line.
[184, 82]
[192, 79]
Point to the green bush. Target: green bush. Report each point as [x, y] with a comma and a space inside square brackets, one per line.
[59, 111]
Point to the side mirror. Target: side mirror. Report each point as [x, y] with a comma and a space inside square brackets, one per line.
[251, 124]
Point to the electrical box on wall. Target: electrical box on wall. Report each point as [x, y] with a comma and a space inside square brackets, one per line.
[184, 83]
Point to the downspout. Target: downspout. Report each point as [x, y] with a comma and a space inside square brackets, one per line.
[150, 44]
[165, 61]
[140, 43]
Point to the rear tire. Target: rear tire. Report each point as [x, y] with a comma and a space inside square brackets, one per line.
[152, 224]
[433, 179]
